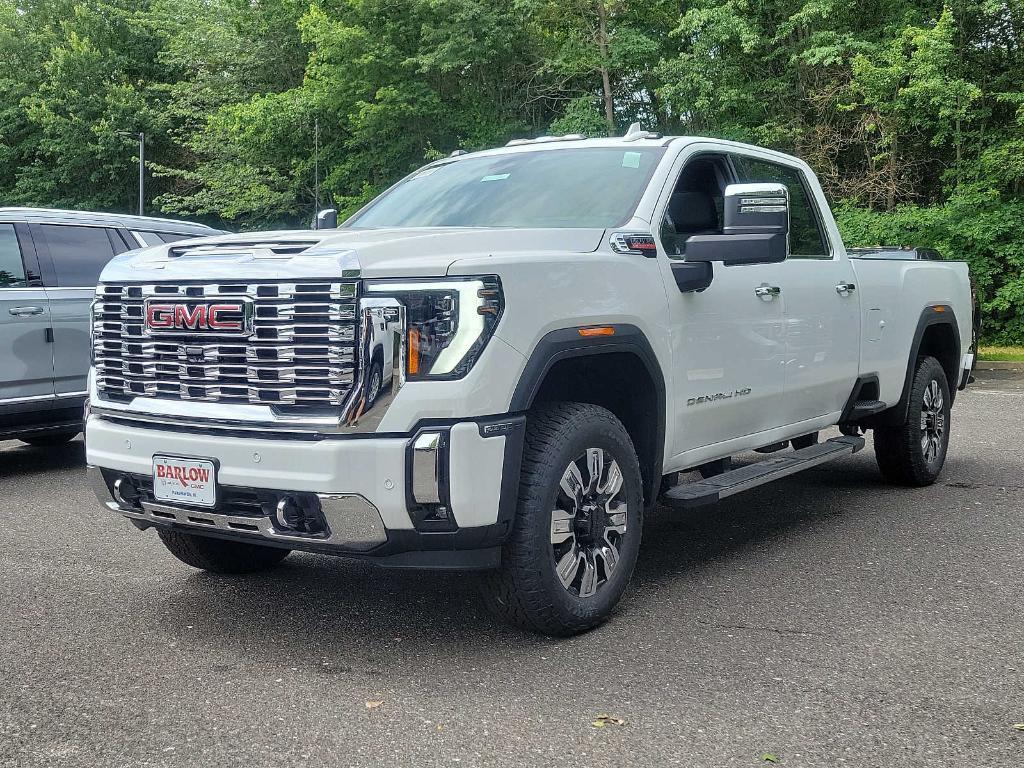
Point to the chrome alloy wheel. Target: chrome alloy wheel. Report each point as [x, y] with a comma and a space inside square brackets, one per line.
[373, 390]
[933, 421]
[588, 522]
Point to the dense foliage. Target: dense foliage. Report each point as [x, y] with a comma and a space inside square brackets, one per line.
[912, 112]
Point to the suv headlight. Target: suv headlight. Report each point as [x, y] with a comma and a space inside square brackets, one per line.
[448, 322]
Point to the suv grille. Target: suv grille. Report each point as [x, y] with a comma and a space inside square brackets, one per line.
[301, 351]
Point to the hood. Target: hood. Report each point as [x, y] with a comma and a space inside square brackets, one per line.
[338, 253]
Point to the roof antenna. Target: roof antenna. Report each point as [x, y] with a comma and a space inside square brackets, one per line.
[636, 132]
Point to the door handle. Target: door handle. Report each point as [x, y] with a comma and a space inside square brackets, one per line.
[845, 289]
[767, 291]
[25, 311]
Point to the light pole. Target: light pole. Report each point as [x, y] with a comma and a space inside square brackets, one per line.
[142, 165]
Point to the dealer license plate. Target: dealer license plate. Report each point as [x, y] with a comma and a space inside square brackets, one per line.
[184, 481]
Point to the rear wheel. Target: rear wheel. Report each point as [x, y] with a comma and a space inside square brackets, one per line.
[577, 532]
[221, 555]
[914, 452]
[49, 441]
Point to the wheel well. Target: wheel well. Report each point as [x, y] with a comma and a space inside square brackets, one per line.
[620, 382]
[940, 341]
[936, 339]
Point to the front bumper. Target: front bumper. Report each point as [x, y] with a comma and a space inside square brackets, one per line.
[442, 497]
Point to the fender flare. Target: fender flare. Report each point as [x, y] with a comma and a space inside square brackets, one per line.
[567, 343]
[933, 314]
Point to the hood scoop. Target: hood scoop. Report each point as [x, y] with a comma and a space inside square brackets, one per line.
[255, 249]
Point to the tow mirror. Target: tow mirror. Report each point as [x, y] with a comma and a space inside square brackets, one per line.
[326, 219]
[755, 231]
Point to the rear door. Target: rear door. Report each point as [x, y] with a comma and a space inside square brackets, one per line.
[820, 304]
[26, 357]
[76, 254]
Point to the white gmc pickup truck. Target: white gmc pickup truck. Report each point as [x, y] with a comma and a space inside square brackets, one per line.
[504, 360]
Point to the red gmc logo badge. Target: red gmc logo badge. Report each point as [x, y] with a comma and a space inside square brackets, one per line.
[222, 317]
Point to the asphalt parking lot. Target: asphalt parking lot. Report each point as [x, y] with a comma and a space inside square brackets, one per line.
[824, 620]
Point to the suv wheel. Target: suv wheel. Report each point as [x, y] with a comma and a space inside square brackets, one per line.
[375, 383]
[221, 555]
[577, 532]
[913, 453]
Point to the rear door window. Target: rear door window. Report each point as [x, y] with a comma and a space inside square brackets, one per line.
[149, 238]
[173, 237]
[12, 268]
[78, 253]
[159, 238]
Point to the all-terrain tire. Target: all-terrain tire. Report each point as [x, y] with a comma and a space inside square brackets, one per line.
[525, 590]
[901, 451]
[221, 555]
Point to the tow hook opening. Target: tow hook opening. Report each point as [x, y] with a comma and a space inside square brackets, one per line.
[296, 513]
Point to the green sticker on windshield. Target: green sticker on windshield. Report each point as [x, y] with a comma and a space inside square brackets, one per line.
[631, 159]
[496, 177]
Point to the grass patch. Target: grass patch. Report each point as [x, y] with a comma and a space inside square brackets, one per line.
[1013, 354]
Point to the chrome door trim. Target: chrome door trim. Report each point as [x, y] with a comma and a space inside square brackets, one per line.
[38, 398]
[29, 399]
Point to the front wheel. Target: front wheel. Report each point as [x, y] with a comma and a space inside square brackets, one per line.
[577, 531]
[914, 452]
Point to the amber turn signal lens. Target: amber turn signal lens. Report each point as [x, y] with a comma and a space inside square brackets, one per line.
[412, 362]
[604, 330]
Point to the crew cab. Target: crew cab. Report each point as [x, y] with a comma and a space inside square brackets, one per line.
[565, 325]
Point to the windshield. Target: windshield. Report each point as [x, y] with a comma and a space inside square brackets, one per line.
[595, 187]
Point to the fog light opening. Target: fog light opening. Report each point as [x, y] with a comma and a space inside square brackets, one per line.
[299, 514]
[125, 493]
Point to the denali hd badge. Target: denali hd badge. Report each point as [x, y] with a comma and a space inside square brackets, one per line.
[718, 396]
[233, 317]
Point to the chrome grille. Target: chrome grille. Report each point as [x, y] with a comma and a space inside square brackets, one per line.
[301, 351]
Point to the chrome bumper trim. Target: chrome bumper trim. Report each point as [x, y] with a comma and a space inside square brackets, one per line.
[426, 467]
[354, 524]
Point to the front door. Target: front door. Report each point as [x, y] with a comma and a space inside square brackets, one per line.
[728, 340]
[820, 305]
[26, 356]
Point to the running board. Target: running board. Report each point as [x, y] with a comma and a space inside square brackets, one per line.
[703, 492]
[864, 408]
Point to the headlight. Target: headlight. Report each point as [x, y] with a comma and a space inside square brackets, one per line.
[448, 322]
